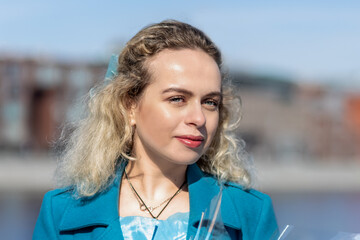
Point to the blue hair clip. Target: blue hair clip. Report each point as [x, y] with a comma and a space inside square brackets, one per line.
[110, 74]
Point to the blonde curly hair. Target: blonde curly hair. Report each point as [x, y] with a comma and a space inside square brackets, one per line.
[103, 138]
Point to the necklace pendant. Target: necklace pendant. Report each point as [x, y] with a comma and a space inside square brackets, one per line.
[143, 208]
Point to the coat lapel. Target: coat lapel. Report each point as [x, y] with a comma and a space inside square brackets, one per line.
[100, 210]
[113, 231]
[203, 188]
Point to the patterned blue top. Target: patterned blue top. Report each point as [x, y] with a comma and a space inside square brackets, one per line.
[145, 228]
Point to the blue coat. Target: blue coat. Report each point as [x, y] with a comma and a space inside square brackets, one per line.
[246, 214]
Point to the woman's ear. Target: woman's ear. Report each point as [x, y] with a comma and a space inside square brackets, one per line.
[132, 112]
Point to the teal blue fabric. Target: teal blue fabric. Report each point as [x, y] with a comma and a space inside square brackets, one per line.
[246, 214]
[144, 228]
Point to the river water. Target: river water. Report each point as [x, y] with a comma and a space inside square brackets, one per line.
[313, 215]
[318, 215]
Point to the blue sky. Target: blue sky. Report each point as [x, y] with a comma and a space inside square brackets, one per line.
[304, 40]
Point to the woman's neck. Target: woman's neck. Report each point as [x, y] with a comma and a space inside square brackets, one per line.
[154, 181]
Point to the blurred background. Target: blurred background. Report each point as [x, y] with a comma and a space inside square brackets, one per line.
[295, 64]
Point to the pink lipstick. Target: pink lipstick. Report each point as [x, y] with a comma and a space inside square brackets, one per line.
[190, 140]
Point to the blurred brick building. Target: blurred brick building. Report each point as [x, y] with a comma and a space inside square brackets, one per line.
[282, 121]
[37, 95]
[285, 121]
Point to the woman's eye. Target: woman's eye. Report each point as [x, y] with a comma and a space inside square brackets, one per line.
[211, 103]
[177, 99]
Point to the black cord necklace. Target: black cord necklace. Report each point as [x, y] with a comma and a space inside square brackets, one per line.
[144, 207]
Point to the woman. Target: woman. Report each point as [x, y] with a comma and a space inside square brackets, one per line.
[155, 149]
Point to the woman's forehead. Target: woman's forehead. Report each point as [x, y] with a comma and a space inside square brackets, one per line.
[185, 67]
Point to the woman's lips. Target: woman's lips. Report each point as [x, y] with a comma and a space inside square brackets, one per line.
[191, 141]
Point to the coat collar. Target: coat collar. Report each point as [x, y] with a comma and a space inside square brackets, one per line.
[102, 209]
[203, 188]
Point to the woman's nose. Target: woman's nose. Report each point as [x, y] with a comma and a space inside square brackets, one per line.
[195, 115]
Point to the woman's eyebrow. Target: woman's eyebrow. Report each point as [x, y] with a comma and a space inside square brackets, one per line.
[214, 94]
[187, 92]
[179, 90]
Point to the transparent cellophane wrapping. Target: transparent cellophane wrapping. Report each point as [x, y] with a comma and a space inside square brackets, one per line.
[211, 227]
